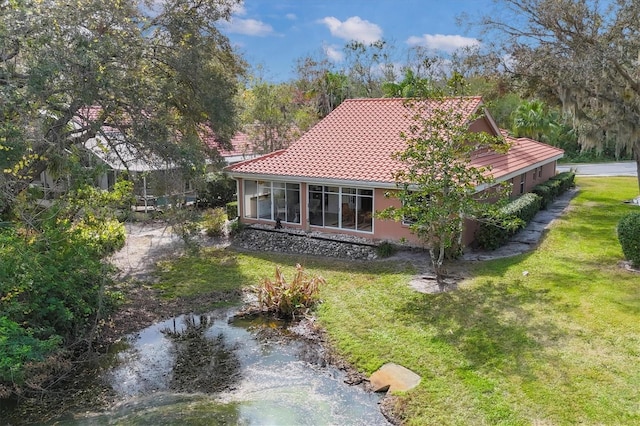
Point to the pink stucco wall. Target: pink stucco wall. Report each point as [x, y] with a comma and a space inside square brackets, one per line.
[389, 229]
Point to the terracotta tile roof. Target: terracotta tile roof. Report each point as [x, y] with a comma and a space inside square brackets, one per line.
[240, 144]
[524, 154]
[355, 142]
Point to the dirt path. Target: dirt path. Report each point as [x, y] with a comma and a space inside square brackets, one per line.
[146, 243]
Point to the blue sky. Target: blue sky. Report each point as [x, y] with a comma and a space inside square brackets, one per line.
[274, 33]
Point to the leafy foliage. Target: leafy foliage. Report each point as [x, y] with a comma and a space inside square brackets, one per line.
[437, 188]
[149, 77]
[214, 221]
[232, 209]
[52, 284]
[289, 298]
[218, 190]
[629, 237]
[495, 230]
[580, 54]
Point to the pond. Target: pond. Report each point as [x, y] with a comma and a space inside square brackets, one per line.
[219, 369]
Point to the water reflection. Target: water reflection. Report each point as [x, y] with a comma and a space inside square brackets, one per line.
[212, 369]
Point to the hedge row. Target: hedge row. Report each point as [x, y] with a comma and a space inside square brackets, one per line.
[553, 187]
[495, 231]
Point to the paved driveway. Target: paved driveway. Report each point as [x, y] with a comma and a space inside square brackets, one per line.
[621, 168]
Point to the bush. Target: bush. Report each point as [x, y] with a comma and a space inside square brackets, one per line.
[385, 249]
[555, 186]
[215, 221]
[524, 207]
[495, 230]
[288, 299]
[236, 227]
[566, 180]
[218, 190]
[51, 282]
[232, 209]
[545, 194]
[104, 236]
[629, 237]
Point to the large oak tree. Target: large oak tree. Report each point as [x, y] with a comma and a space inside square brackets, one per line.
[585, 53]
[156, 71]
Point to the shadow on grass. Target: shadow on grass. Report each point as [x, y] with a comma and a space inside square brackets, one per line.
[328, 263]
[491, 324]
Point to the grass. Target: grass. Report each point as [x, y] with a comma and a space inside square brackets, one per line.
[558, 345]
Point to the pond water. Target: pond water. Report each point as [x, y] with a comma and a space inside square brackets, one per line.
[216, 369]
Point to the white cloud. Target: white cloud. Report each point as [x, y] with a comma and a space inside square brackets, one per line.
[250, 27]
[354, 28]
[291, 16]
[446, 43]
[334, 53]
[238, 9]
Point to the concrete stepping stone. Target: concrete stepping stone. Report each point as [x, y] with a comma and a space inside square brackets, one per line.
[393, 377]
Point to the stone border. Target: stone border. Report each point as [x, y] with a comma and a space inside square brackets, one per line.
[294, 241]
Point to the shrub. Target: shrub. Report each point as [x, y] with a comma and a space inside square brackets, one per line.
[215, 221]
[385, 249]
[544, 192]
[217, 190]
[566, 180]
[555, 186]
[52, 283]
[104, 236]
[236, 227]
[495, 230]
[524, 207]
[289, 299]
[629, 237]
[232, 209]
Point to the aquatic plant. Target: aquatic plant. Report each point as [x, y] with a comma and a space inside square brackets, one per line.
[289, 298]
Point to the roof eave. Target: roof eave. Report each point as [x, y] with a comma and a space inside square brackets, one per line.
[313, 180]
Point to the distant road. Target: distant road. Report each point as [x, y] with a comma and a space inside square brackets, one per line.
[621, 168]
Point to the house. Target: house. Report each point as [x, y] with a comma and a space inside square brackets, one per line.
[157, 182]
[241, 147]
[334, 177]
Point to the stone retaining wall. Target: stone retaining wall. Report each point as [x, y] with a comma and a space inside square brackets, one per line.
[299, 242]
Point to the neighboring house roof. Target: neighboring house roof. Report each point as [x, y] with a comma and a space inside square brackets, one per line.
[241, 149]
[356, 141]
[116, 153]
[122, 156]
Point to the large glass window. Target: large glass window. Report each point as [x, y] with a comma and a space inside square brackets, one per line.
[341, 207]
[272, 200]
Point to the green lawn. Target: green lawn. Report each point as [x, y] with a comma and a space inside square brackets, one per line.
[559, 345]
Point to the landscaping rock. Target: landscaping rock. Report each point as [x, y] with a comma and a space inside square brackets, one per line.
[393, 377]
[300, 242]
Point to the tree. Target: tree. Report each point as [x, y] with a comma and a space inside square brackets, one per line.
[150, 73]
[532, 119]
[583, 53]
[319, 85]
[272, 116]
[367, 66]
[438, 187]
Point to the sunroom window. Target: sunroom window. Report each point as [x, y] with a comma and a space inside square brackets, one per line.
[341, 207]
[272, 200]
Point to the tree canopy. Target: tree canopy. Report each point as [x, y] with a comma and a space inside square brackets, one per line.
[439, 186]
[583, 53]
[152, 73]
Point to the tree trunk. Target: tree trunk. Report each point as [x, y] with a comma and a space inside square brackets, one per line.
[636, 154]
[437, 263]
